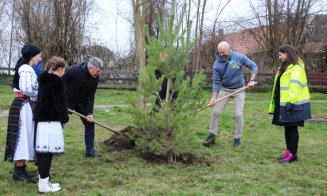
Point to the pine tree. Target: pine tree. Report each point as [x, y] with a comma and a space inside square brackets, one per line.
[167, 127]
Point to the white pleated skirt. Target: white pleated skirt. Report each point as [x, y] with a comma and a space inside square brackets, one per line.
[24, 147]
[49, 138]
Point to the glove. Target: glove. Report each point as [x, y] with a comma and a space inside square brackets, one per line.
[289, 107]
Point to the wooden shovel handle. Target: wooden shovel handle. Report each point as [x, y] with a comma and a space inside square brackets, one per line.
[98, 123]
[229, 95]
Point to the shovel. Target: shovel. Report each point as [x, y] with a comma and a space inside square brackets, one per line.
[229, 95]
[100, 124]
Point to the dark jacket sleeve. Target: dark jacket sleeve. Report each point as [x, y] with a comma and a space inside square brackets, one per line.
[90, 99]
[60, 103]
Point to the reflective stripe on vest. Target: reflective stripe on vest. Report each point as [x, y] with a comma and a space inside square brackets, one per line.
[293, 87]
[296, 103]
[295, 82]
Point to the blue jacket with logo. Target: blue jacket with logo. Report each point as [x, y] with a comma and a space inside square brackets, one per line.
[229, 73]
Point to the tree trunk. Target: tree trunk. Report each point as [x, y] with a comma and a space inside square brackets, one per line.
[139, 41]
[198, 51]
[11, 35]
[170, 157]
[195, 36]
[168, 88]
[188, 15]
[170, 153]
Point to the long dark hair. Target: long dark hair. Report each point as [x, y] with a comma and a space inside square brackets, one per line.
[293, 56]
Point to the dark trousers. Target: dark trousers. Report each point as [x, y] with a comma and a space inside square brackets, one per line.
[292, 138]
[44, 164]
[88, 135]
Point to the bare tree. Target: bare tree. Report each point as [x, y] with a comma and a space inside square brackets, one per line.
[11, 36]
[139, 23]
[4, 22]
[104, 53]
[145, 13]
[219, 10]
[194, 61]
[280, 22]
[154, 8]
[58, 27]
[197, 62]
[205, 53]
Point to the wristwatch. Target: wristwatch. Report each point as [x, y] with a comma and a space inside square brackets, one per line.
[252, 80]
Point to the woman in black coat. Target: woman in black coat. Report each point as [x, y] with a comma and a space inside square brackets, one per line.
[50, 115]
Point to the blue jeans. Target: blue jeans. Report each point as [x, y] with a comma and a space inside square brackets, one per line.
[88, 135]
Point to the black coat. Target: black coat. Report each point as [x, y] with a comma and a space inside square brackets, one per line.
[81, 88]
[51, 101]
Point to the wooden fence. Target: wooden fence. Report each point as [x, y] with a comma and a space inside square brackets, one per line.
[129, 79]
[119, 79]
[318, 81]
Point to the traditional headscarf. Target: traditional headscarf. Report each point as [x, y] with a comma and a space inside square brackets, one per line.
[28, 52]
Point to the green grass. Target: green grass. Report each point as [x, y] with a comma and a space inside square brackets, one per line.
[7, 96]
[251, 169]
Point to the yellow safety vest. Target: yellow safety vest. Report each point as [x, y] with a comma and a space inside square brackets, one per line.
[293, 90]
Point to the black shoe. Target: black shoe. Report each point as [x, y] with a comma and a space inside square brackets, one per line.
[92, 154]
[210, 140]
[20, 174]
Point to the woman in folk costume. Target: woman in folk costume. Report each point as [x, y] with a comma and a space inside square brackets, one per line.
[50, 115]
[20, 132]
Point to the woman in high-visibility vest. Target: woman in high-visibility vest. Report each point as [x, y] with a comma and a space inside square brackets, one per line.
[290, 99]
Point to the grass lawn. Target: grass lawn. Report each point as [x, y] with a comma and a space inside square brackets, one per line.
[251, 169]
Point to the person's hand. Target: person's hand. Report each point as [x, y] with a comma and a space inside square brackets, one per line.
[289, 107]
[251, 84]
[212, 102]
[89, 118]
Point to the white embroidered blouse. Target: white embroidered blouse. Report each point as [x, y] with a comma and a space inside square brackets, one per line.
[28, 82]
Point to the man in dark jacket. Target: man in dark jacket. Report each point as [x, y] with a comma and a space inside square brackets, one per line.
[81, 84]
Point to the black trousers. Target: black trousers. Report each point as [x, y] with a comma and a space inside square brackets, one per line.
[292, 138]
[44, 164]
[89, 134]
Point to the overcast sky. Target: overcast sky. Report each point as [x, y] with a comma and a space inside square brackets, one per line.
[112, 28]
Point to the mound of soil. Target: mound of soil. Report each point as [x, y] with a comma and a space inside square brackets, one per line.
[118, 142]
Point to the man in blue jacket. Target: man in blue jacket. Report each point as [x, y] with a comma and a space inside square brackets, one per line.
[81, 82]
[227, 78]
